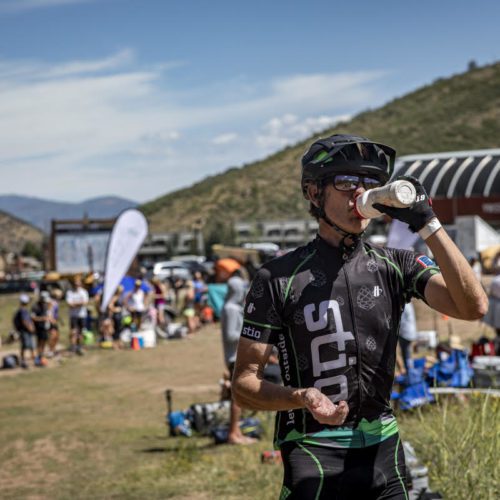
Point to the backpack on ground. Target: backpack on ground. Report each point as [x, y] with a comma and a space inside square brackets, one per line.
[10, 361]
[205, 416]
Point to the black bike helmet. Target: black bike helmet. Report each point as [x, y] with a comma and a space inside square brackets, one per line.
[341, 153]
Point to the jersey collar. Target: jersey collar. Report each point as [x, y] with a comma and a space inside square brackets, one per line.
[329, 251]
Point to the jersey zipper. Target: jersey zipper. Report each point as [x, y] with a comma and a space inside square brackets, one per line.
[358, 349]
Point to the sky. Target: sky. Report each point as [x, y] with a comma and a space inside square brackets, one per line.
[138, 98]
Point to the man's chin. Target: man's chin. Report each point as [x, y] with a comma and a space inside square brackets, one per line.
[358, 226]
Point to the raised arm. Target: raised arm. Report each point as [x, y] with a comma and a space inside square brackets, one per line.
[456, 291]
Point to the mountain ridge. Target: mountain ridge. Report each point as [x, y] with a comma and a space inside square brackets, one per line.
[461, 112]
[39, 211]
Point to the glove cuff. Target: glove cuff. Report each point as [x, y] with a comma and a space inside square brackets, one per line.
[430, 228]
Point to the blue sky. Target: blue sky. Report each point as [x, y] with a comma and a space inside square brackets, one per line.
[138, 98]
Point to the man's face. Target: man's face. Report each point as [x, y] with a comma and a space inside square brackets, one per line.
[339, 208]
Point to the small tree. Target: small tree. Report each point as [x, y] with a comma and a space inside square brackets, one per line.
[472, 65]
[31, 249]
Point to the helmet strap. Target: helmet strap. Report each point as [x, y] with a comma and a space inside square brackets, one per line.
[354, 237]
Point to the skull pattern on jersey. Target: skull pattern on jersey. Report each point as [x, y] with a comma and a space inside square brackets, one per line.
[340, 300]
[372, 266]
[371, 343]
[365, 299]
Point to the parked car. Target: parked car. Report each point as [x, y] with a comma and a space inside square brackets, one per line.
[171, 269]
[195, 263]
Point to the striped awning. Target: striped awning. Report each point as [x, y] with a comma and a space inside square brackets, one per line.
[459, 174]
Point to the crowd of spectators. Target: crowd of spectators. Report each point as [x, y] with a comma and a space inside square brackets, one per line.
[152, 302]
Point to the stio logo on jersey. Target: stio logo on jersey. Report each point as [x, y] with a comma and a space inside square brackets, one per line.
[425, 261]
[251, 331]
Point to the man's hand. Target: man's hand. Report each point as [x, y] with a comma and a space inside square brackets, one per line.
[323, 409]
[419, 214]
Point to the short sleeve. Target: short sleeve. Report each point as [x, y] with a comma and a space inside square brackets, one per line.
[25, 316]
[261, 321]
[417, 269]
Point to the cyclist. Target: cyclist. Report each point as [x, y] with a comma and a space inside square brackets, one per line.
[332, 308]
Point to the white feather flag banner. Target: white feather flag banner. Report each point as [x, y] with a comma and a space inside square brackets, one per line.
[128, 234]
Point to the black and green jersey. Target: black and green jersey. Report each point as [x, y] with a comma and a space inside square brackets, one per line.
[334, 319]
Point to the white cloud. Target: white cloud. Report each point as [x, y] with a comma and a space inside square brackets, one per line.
[82, 128]
[225, 138]
[78, 67]
[289, 129]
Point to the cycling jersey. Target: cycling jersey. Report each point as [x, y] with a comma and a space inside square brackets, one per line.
[334, 318]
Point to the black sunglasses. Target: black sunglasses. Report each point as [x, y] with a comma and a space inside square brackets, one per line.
[344, 182]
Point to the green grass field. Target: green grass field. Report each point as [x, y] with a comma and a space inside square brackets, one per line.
[94, 427]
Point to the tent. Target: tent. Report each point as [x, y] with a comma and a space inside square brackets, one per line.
[471, 234]
[455, 174]
[474, 235]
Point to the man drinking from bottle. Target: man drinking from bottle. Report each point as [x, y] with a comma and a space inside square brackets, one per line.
[332, 309]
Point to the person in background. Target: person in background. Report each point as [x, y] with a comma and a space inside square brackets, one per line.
[40, 314]
[135, 301]
[77, 299]
[24, 325]
[107, 330]
[407, 335]
[159, 299]
[56, 296]
[231, 324]
[115, 314]
[492, 317]
[185, 303]
[200, 292]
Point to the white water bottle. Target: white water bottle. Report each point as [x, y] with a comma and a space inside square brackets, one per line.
[399, 194]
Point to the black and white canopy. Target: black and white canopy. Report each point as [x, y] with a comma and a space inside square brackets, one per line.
[459, 174]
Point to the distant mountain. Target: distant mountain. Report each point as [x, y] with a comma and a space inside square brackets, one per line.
[39, 212]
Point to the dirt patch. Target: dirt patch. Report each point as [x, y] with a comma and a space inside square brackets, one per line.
[33, 458]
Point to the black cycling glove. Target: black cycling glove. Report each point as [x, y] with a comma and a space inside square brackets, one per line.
[419, 214]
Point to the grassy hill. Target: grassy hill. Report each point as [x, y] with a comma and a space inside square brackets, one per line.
[461, 112]
[15, 233]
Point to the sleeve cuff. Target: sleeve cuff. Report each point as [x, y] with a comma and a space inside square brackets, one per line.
[430, 228]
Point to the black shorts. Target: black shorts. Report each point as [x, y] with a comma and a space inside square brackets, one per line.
[318, 472]
[42, 335]
[77, 324]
